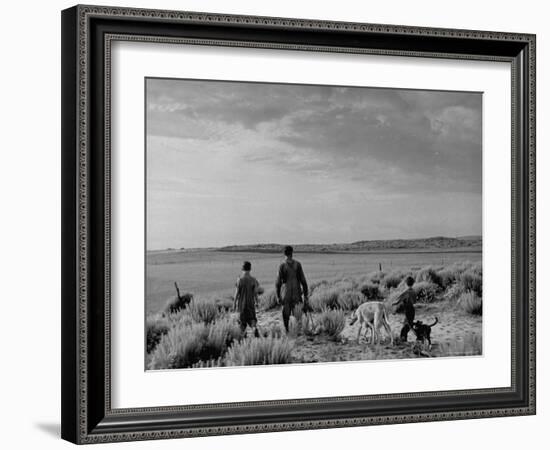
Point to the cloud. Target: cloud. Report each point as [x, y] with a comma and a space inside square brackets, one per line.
[342, 148]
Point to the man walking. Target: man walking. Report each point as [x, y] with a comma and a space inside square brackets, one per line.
[246, 296]
[292, 281]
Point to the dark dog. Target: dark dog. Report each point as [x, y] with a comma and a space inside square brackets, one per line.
[423, 331]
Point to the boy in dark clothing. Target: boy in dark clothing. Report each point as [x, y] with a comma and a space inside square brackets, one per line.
[246, 297]
[405, 303]
[291, 278]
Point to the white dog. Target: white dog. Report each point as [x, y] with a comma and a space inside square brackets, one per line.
[373, 315]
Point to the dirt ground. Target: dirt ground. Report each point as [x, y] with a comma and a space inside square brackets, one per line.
[456, 334]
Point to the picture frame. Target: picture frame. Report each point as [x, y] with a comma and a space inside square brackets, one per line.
[87, 35]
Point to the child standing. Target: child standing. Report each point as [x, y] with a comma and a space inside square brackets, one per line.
[246, 296]
[405, 303]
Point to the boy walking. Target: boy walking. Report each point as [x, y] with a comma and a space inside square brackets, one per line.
[246, 297]
[405, 303]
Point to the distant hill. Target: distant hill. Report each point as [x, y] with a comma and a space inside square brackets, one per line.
[439, 243]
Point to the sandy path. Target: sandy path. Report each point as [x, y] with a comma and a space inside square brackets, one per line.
[450, 337]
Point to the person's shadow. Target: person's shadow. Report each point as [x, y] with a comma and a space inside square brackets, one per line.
[53, 429]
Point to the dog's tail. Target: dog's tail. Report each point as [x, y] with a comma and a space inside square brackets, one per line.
[177, 290]
[436, 320]
[353, 318]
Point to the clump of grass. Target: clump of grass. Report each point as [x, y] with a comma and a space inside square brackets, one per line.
[324, 298]
[430, 275]
[178, 303]
[393, 279]
[224, 304]
[275, 331]
[376, 277]
[425, 291]
[180, 347]
[332, 322]
[345, 284]
[223, 333]
[350, 300]
[259, 351]
[268, 301]
[156, 327]
[471, 303]
[313, 286]
[204, 310]
[185, 346]
[447, 278]
[371, 291]
[472, 281]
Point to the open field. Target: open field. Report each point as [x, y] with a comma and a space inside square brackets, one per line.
[206, 332]
[213, 273]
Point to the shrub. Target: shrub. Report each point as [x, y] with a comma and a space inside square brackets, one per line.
[454, 292]
[471, 303]
[472, 281]
[259, 351]
[180, 347]
[178, 303]
[155, 327]
[332, 322]
[376, 277]
[447, 278]
[204, 310]
[315, 285]
[223, 333]
[349, 300]
[371, 291]
[185, 346]
[393, 279]
[345, 284]
[425, 291]
[268, 301]
[430, 275]
[324, 298]
[224, 304]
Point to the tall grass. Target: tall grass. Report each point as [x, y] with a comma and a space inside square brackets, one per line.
[471, 303]
[371, 291]
[324, 297]
[350, 300]
[472, 281]
[204, 310]
[184, 346]
[155, 327]
[259, 351]
[332, 322]
[375, 277]
[393, 279]
[268, 301]
[224, 304]
[447, 277]
[181, 347]
[429, 274]
[425, 291]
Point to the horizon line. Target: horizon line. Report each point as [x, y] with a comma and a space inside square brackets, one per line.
[315, 243]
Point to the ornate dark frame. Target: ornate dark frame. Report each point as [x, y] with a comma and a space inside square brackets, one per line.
[87, 33]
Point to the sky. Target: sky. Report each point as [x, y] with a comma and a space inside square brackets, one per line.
[242, 163]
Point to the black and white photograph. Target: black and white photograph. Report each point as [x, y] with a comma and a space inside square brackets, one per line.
[292, 223]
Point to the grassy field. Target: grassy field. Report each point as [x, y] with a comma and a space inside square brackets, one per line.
[206, 332]
[213, 273]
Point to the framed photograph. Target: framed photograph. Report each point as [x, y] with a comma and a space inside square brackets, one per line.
[280, 224]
